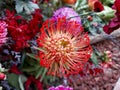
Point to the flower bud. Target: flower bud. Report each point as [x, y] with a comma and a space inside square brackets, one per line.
[2, 76]
[90, 18]
[69, 1]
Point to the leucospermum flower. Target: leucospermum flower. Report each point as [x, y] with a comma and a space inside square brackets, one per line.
[3, 32]
[64, 47]
[68, 13]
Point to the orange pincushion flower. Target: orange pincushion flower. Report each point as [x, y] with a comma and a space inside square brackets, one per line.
[65, 47]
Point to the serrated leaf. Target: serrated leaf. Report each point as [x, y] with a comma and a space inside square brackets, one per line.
[28, 6]
[19, 6]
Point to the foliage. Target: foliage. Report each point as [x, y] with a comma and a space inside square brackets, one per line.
[28, 39]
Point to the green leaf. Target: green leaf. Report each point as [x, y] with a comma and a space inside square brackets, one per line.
[43, 75]
[30, 69]
[40, 71]
[31, 64]
[22, 61]
[32, 56]
[28, 6]
[107, 2]
[13, 80]
[94, 59]
[107, 14]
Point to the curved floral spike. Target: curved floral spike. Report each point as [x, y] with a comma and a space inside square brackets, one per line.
[67, 47]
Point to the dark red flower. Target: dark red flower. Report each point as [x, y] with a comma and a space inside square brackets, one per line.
[95, 5]
[30, 81]
[115, 22]
[98, 7]
[14, 69]
[107, 29]
[22, 30]
[117, 5]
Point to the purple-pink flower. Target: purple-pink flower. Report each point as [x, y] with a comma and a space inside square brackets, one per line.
[68, 13]
[60, 87]
[3, 32]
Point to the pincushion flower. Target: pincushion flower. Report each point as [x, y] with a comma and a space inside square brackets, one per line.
[64, 47]
[3, 32]
[68, 13]
[60, 87]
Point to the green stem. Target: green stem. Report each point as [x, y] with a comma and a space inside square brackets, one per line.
[39, 73]
[87, 13]
[43, 75]
[82, 7]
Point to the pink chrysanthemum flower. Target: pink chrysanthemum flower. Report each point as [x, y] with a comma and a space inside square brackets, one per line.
[64, 47]
[60, 87]
[69, 13]
[3, 32]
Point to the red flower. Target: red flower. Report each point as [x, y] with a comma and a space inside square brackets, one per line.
[115, 22]
[107, 29]
[22, 30]
[65, 47]
[95, 5]
[14, 69]
[31, 80]
[117, 5]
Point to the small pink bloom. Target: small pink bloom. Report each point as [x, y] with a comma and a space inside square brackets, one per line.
[60, 87]
[2, 76]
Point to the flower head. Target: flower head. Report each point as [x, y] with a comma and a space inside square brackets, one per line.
[117, 5]
[114, 24]
[95, 5]
[60, 87]
[68, 13]
[3, 32]
[65, 47]
[22, 30]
